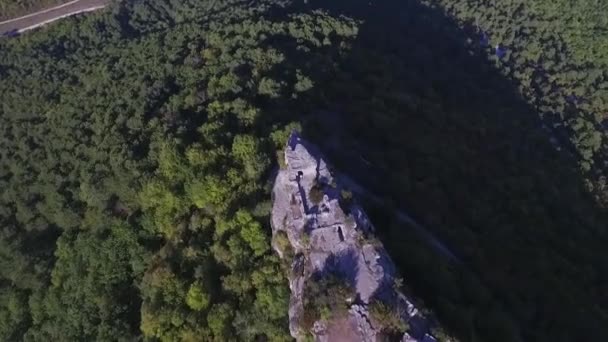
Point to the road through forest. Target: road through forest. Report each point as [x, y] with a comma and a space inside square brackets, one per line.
[33, 20]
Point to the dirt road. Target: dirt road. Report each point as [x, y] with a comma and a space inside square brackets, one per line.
[33, 20]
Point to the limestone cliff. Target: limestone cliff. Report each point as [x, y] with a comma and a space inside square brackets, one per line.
[321, 231]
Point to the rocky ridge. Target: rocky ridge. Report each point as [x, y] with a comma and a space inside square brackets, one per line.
[321, 231]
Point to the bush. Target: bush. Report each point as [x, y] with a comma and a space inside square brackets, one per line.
[325, 298]
[305, 238]
[441, 335]
[316, 194]
[281, 241]
[310, 315]
[346, 195]
[281, 159]
[386, 317]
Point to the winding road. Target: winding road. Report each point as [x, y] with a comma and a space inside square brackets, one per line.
[34, 20]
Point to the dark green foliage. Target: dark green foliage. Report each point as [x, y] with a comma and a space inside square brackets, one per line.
[429, 124]
[92, 292]
[557, 52]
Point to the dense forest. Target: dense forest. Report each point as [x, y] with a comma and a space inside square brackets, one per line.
[432, 123]
[136, 147]
[137, 144]
[557, 52]
[14, 8]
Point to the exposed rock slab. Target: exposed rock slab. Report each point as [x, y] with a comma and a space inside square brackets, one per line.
[326, 239]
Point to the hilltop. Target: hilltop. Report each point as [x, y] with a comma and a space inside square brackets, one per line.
[329, 242]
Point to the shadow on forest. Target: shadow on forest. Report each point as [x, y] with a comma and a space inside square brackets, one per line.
[421, 117]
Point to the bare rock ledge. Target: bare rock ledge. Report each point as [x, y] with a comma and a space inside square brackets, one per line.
[329, 233]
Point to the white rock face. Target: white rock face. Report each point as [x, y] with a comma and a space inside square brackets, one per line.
[324, 238]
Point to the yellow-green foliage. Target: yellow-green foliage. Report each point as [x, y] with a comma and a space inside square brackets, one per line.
[280, 136]
[247, 150]
[196, 298]
[163, 206]
[281, 159]
[281, 241]
[305, 239]
[172, 164]
[208, 192]
[252, 233]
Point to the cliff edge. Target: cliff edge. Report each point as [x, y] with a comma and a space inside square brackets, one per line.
[344, 286]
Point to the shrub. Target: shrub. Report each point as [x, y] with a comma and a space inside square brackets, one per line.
[326, 298]
[281, 159]
[346, 195]
[386, 317]
[441, 335]
[316, 194]
[310, 315]
[305, 238]
[398, 284]
[281, 241]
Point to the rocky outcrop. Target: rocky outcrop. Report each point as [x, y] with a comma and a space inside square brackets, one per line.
[329, 233]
